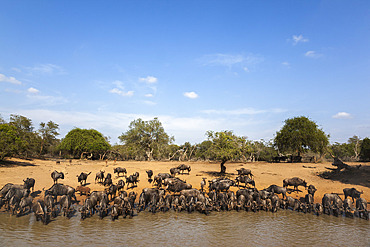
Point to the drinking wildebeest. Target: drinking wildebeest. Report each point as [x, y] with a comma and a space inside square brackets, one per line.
[40, 211]
[82, 177]
[65, 205]
[311, 190]
[57, 175]
[119, 170]
[29, 183]
[361, 208]
[295, 182]
[203, 184]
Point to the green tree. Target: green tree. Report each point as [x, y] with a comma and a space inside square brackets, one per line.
[48, 133]
[365, 150]
[300, 134]
[79, 141]
[9, 141]
[226, 146]
[29, 140]
[148, 137]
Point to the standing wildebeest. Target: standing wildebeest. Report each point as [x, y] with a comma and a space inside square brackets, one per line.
[352, 192]
[242, 171]
[119, 170]
[7, 187]
[59, 190]
[83, 177]
[295, 182]
[57, 175]
[174, 171]
[246, 180]
[277, 190]
[29, 183]
[99, 177]
[150, 174]
[183, 168]
[132, 179]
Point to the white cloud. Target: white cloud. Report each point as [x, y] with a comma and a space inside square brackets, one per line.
[298, 39]
[246, 69]
[342, 115]
[118, 84]
[230, 60]
[149, 95]
[148, 102]
[191, 95]
[312, 54]
[46, 69]
[33, 90]
[149, 79]
[122, 93]
[286, 64]
[10, 79]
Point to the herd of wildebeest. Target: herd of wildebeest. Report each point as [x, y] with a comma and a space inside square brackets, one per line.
[172, 193]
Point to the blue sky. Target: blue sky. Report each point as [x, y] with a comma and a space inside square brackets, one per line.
[244, 66]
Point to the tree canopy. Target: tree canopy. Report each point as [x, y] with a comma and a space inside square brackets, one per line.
[146, 136]
[365, 150]
[226, 146]
[9, 141]
[300, 134]
[78, 141]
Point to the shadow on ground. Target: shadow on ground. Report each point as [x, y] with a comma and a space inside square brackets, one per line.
[8, 163]
[359, 176]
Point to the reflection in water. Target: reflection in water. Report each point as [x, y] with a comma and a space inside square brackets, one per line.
[284, 228]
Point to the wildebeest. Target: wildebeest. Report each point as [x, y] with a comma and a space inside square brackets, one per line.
[65, 205]
[7, 187]
[311, 190]
[25, 203]
[120, 185]
[14, 196]
[29, 183]
[40, 211]
[150, 174]
[61, 189]
[158, 179]
[174, 171]
[119, 170]
[183, 168]
[83, 177]
[99, 177]
[243, 171]
[57, 175]
[277, 190]
[332, 203]
[246, 180]
[361, 208]
[295, 182]
[132, 179]
[107, 181]
[50, 205]
[352, 192]
[203, 184]
[220, 184]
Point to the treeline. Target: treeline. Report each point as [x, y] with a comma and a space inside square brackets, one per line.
[147, 140]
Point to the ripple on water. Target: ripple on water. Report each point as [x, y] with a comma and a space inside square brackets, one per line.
[284, 228]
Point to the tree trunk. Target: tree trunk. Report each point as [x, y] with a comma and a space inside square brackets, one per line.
[223, 167]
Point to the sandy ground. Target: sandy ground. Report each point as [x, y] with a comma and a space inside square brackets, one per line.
[265, 174]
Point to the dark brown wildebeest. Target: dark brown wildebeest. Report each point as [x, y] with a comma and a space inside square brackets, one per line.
[295, 182]
[57, 175]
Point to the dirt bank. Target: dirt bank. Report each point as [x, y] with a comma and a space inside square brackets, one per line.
[265, 174]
